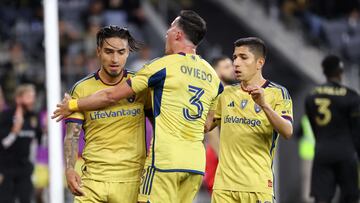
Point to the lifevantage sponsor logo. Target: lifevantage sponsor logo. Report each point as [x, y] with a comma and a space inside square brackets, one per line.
[242, 120]
[108, 114]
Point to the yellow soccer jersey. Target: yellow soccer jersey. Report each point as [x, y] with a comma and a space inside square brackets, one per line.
[183, 87]
[247, 139]
[115, 147]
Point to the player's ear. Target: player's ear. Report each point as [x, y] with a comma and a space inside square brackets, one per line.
[179, 35]
[260, 63]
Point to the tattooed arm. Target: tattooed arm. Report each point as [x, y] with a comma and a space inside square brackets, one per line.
[71, 146]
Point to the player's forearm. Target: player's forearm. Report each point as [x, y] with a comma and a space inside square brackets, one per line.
[98, 100]
[71, 144]
[214, 139]
[210, 122]
[105, 97]
[281, 125]
[8, 140]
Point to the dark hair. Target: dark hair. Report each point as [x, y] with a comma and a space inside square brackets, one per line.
[116, 31]
[193, 26]
[216, 60]
[332, 66]
[256, 45]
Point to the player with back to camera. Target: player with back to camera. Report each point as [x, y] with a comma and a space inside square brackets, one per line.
[334, 114]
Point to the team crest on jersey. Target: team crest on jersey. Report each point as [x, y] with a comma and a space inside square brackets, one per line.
[131, 99]
[257, 108]
[243, 103]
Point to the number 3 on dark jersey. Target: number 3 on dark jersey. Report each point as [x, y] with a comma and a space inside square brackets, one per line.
[194, 100]
[323, 109]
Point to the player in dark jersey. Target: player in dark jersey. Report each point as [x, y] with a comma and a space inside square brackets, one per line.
[333, 110]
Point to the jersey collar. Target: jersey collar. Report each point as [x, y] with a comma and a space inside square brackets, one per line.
[97, 77]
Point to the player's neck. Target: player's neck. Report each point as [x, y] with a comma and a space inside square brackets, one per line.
[108, 80]
[257, 80]
[224, 83]
[334, 79]
[185, 48]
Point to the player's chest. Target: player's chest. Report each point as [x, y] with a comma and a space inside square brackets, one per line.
[128, 109]
[243, 104]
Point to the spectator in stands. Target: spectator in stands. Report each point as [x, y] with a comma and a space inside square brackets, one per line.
[19, 127]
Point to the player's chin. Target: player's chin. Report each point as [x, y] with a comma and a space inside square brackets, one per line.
[239, 77]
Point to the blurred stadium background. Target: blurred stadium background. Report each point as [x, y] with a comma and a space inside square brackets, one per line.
[299, 33]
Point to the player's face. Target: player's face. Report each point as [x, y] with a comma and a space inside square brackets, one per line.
[225, 70]
[172, 35]
[113, 55]
[28, 100]
[247, 66]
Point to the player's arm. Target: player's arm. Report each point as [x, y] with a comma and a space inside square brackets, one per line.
[213, 139]
[355, 123]
[210, 122]
[280, 124]
[100, 99]
[105, 97]
[214, 114]
[71, 146]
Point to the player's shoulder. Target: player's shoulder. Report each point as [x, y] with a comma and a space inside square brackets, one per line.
[82, 83]
[351, 92]
[208, 66]
[129, 74]
[165, 60]
[277, 89]
[229, 89]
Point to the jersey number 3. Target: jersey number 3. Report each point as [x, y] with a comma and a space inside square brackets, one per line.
[323, 109]
[194, 100]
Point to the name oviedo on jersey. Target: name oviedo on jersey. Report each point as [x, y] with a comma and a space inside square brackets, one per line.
[196, 72]
[107, 114]
[242, 120]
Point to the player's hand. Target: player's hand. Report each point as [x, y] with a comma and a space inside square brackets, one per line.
[62, 110]
[257, 94]
[74, 182]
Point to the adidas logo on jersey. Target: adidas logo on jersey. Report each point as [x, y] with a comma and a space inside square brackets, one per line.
[231, 104]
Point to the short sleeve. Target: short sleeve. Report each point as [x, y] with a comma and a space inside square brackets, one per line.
[76, 117]
[284, 106]
[217, 107]
[214, 103]
[139, 82]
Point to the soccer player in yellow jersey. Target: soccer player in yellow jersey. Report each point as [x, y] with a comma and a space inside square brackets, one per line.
[115, 151]
[251, 114]
[183, 87]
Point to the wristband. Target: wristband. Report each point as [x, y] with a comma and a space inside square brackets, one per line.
[73, 105]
